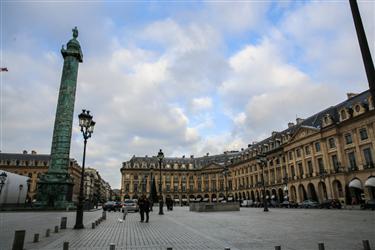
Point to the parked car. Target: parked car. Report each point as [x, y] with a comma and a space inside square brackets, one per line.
[369, 205]
[110, 206]
[330, 203]
[309, 204]
[286, 204]
[246, 203]
[130, 205]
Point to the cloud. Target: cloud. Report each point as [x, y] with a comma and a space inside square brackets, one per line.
[201, 103]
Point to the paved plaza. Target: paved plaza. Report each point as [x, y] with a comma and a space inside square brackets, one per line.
[250, 228]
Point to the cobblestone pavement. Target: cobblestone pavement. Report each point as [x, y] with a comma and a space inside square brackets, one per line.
[37, 222]
[251, 228]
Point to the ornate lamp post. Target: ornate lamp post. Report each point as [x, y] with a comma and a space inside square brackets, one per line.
[261, 160]
[225, 173]
[87, 128]
[3, 177]
[160, 158]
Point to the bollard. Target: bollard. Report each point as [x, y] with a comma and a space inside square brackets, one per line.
[56, 229]
[321, 246]
[63, 222]
[277, 247]
[104, 215]
[227, 248]
[48, 232]
[96, 223]
[19, 239]
[366, 245]
[36, 238]
[112, 246]
[66, 246]
[169, 248]
[93, 225]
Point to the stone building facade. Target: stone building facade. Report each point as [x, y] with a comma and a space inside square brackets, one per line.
[34, 165]
[329, 155]
[96, 189]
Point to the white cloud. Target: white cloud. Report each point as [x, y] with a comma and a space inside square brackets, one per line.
[201, 103]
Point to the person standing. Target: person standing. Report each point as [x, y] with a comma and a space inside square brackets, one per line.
[141, 205]
[146, 207]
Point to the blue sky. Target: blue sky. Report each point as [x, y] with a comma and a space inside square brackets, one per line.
[189, 77]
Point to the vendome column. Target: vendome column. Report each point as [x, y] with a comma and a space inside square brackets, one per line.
[55, 188]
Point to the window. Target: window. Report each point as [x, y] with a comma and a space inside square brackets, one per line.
[363, 134]
[348, 138]
[331, 143]
[321, 165]
[298, 152]
[307, 150]
[352, 161]
[368, 156]
[310, 167]
[317, 146]
[343, 114]
[335, 162]
[293, 171]
[290, 155]
[300, 169]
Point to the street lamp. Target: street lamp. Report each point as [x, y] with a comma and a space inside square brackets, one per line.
[87, 128]
[225, 173]
[160, 158]
[3, 177]
[261, 160]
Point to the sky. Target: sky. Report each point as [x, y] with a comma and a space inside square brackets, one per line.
[187, 77]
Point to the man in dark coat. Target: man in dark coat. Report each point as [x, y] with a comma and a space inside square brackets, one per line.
[141, 202]
[146, 207]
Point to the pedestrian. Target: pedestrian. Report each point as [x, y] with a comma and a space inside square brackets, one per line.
[141, 205]
[146, 208]
[151, 203]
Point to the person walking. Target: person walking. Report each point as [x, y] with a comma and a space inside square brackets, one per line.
[141, 205]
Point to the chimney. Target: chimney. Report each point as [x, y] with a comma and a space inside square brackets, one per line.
[183, 157]
[191, 156]
[299, 120]
[241, 149]
[33, 152]
[24, 152]
[351, 95]
[274, 133]
[207, 154]
[290, 124]
[248, 145]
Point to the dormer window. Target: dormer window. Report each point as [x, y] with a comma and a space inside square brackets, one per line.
[343, 115]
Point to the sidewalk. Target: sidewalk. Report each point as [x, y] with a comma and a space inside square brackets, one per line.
[161, 232]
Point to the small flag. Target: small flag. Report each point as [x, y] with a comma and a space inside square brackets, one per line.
[4, 69]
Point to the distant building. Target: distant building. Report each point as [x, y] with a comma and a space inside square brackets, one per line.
[33, 165]
[96, 190]
[329, 155]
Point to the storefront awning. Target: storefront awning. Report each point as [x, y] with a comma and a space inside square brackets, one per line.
[184, 199]
[272, 197]
[176, 200]
[286, 188]
[205, 199]
[213, 199]
[230, 198]
[355, 183]
[370, 182]
[221, 198]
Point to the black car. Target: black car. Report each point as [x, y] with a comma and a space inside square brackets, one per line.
[369, 205]
[111, 206]
[331, 203]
